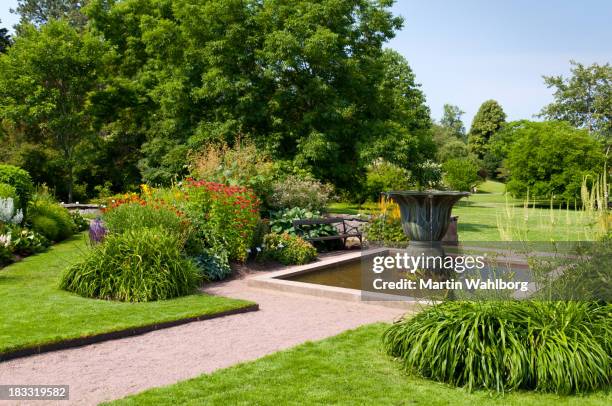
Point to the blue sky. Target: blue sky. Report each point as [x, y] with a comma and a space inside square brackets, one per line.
[465, 52]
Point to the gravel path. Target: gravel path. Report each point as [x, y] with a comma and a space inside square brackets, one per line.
[117, 368]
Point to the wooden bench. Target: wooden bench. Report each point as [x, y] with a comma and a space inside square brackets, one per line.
[345, 231]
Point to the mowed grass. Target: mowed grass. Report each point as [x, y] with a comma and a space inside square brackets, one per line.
[348, 369]
[34, 311]
[490, 215]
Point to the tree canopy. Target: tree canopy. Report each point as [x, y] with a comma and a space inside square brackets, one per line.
[309, 82]
[451, 120]
[487, 121]
[46, 79]
[551, 159]
[584, 99]
[5, 39]
[145, 82]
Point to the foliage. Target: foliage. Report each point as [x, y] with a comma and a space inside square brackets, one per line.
[49, 218]
[448, 146]
[584, 99]
[80, 223]
[550, 159]
[5, 40]
[20, 180]
[135, 266]
[242, 165]
[138, 213]
[46, 79]
[461, 174]
[383, 177]
[560, 347]
[6, 256]
[282, 222]
[428, 175]
[40, 12]
[498, 148]
[214, 266]
[451, 120]
[296, 191]
[385, 226]
[22, 241]
[314, 86]
[224, 216]
[487, 121]
[288, 249]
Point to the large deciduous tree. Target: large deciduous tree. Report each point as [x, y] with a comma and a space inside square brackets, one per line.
[39, 12]
[451, 120]
[5, 39]
[487, 121]
[46, 79]
[551, 159]
[584, 99]
[307, 81]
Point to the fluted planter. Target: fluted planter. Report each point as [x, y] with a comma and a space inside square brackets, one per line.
[425, 215]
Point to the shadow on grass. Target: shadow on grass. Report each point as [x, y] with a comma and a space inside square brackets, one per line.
[473, 227]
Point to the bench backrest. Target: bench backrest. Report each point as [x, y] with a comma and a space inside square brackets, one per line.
[322, 220]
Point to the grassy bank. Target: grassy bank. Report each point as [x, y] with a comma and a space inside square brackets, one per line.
[347, 369]
[36, 312]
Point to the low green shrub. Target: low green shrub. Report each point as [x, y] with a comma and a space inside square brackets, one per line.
[296, 191]
[461, 174]
[214, 266]
[80, 223]
[50, 219]
[20, 180]
[288, 249]
[45, 226]
[383, 176]
[132, 216]
[135, 266]
[560, 347]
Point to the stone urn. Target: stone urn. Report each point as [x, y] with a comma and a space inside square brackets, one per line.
[425, 217]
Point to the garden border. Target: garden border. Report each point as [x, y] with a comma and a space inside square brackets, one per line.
[114, 335]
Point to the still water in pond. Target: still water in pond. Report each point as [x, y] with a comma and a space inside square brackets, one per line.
[344, 275]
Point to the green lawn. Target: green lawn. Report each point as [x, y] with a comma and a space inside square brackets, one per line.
[347, 369]
[490, 215]
[34, 311]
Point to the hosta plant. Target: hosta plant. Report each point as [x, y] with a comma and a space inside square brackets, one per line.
[282, 222]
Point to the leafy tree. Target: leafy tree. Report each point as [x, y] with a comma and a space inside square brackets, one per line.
[5, 39]
[309, 82]
[40, 12]
[499, 148]
[550, 159]
[584, 99]
[461, 173]
[45, 82]
[451, 119]
[488, 120]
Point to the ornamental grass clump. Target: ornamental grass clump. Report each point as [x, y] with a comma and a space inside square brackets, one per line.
[559, 347]
[140, 265]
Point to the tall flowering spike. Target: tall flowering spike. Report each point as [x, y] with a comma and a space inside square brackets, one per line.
[97, 231]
